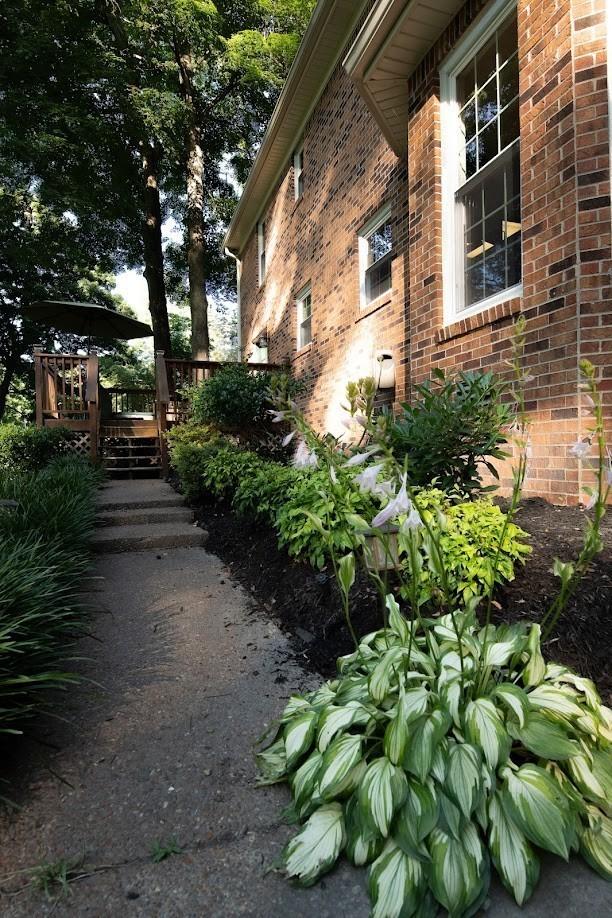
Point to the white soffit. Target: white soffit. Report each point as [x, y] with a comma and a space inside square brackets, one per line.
[393, 40]
[329, 30]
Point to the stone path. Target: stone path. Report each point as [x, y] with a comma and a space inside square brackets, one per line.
[183, 674]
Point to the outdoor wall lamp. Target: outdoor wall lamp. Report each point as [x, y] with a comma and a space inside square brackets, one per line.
[261, 340]
[385, 370]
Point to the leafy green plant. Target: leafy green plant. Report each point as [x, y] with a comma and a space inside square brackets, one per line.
[55, 876]
[316, 519]
[30, 448]
[161, 851]
[190, 446]
[234, 398]
[226, 469]
[264, 493]
[455, 426]
[433, 758]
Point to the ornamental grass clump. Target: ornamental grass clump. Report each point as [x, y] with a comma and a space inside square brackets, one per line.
[447, 746]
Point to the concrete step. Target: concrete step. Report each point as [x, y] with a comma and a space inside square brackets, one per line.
[143, 537]
[139, 494]
[142, 516]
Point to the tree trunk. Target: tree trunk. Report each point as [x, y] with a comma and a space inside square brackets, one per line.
[153, 252]
[5, 384]
[196, 250]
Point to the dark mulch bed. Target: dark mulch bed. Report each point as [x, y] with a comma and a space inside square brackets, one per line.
[305, 603]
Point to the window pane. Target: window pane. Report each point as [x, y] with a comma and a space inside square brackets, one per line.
[474, 284]
[471, 163]
[487, 144]
[487, 103]
[485, 62]
[509, 124]
[306, 306]
[514, 261]
[305, 335]
[508, 81]
[379, 243]
[494, 272]
[466, 84]
[494, 229]
[507, 39]
[473, 206]
[378, 278]
[474, 243]
[468, 117]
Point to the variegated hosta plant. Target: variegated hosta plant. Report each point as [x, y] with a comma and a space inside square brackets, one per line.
[432, 758]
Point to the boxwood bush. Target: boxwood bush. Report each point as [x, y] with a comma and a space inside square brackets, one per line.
[30, 448]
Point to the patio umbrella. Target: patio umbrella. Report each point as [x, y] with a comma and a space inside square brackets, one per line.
[86, 319]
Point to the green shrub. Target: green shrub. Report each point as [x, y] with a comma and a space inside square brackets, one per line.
[43, 557]
[30, 448]
[233, 399]
[315, 502]
[264, 493]
[223, 472]
[454, 427]
[190, 446]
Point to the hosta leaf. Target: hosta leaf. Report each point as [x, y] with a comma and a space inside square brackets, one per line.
[322, 697]
[513, 856]
[602, 769]
[464, 776]
[484, 728]
[546, 739]
[535, 668]
[514, 698]
[411, 705]
[458, 876]
[537, 805]
[417, 816]
[450, 820]
[304, 780]
[587, 779]
[425, 736]
[397, 883]
[397, 622]
[339, 759]
[498, 653]
[362, 846]
[335, 718]
[385, 672]
[316, 848]
[297, 704]
[272, 763]
[352, 688]
[596, 843]
[381, 793]
[585, 686]
[555, 700]
[299, 734]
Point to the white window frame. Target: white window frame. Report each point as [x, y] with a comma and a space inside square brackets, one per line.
[381, 216]
[299, 304]
[453, 283]
[261, 251]
[298, 172]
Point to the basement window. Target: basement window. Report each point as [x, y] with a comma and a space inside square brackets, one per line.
[304, 317]
[375, 254]
[481, 167]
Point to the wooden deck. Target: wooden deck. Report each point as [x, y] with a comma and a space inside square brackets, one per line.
[122, 427]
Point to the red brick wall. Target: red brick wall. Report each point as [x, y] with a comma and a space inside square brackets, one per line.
[566, 230]
[350, 172]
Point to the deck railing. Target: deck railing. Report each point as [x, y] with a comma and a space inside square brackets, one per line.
[67, 394]
[130, 401]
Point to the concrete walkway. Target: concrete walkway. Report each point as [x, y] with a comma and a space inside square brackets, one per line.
[184, 674]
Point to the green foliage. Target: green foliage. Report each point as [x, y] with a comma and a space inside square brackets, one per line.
[190, 447]
[234, 398]
[265, 492]
[30, 448]
[453, 427]
[474, 553]
[54, 877]
[223, 472]
[43, 557]
[434, 758]
[161, 851]
[318, 516]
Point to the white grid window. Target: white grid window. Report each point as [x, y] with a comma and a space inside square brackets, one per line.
[375, 254]
[298, 173]
[304, 317]
[481, 182]
[261, 250]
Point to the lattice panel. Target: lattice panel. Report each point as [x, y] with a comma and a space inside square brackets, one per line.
[80, 443]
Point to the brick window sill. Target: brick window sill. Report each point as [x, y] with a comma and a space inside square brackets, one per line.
[303, 351]
[479, 320]
[383, 300]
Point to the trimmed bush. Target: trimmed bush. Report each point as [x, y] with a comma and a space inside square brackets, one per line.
[233, 399]
[265, 492]
[43, 556]
[30, 448]
[190, 447]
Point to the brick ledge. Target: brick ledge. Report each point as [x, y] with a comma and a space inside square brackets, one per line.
[471, 323]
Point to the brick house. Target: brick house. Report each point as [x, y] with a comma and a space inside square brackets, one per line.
[430, 171]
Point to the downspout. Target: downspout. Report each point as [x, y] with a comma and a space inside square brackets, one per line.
[238, 303]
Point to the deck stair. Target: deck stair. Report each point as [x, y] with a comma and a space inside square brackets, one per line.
[130, 448]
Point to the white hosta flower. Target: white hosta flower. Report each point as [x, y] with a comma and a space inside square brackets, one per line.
[347, 421]
[360, 458]
[580, 449]
[361, 419]
[367, 479]
[332, 475]
[303, 457]
[277, 416]
[287, 440]
[412, 521]
[399, 504]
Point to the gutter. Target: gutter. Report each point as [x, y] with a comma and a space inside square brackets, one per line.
[231, 254]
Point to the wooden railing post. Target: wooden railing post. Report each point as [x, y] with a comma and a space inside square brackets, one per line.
[91, 398]
[38, 384]
[162, 395]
